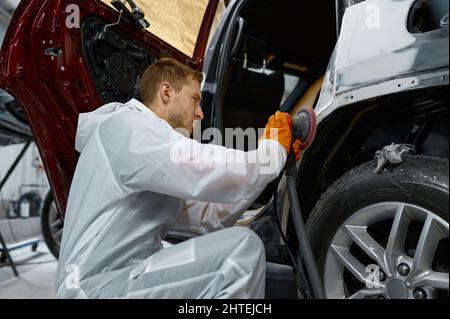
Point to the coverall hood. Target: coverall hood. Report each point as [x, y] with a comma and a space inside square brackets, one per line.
[89, 122]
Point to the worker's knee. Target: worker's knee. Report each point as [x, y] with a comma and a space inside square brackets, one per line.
[247, 237]
[249, 252]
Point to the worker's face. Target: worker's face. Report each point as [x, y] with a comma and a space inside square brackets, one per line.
[185, 107]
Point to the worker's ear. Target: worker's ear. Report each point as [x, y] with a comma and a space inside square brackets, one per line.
[165, 91]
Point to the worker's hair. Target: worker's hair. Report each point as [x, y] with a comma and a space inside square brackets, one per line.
[165, 70]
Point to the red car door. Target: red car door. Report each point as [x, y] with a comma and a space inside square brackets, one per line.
[64, 57]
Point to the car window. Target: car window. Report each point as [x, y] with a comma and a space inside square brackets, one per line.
[175, 22]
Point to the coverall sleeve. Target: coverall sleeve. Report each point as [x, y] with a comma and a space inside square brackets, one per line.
[154, 157]
[201, 217]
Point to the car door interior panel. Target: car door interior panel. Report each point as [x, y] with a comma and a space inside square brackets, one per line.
[116, 62]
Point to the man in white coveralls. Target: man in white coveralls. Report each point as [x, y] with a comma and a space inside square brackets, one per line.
[136, 174]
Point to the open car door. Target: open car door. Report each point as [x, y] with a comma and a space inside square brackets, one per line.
[61, 58]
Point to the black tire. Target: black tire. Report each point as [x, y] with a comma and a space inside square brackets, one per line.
[418, 180]
[46, 219]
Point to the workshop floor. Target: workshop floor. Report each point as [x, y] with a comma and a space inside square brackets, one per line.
[37, 275]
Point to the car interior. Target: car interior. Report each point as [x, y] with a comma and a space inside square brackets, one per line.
[282, 58]
[280, 64]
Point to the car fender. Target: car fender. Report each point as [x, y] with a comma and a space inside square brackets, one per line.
[377, 55]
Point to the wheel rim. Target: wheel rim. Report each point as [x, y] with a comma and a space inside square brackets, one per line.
[56, 224]
[364, 262]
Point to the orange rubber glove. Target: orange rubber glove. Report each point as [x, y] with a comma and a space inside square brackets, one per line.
[278, 129]
[297, 147]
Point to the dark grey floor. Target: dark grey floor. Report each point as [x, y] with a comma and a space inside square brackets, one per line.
[280, 282]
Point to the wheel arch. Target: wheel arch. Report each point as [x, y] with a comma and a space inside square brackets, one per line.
[351, 135]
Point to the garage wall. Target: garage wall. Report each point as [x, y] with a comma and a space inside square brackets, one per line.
[5, 17]
[7, 8]
[29, 174]
[29, 171]
[2, 32]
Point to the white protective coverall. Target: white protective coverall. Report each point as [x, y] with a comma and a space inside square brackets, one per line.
[134, 177]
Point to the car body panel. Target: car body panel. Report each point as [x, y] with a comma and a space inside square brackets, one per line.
[43, 67]
[379, 57]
